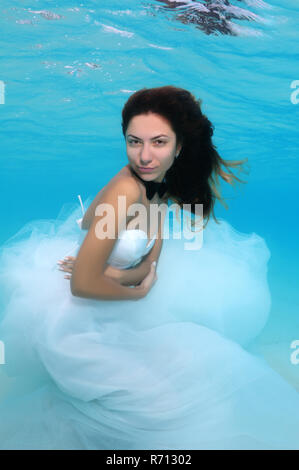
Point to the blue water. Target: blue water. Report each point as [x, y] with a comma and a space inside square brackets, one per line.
[68, 69]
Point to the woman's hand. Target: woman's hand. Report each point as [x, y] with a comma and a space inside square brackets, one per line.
[145, 286]
[67, 265]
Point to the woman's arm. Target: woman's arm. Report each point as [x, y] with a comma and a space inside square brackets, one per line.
[89, 214]
[133, 276]
[126, 277]
[88, 279]
[154, 253]
[132, 294]
[104, 288]
[137, 274]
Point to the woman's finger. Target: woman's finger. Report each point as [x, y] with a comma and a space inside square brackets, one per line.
[65, 263]
[150, 278]
[68, 265]
[67, 260]
[66, 269]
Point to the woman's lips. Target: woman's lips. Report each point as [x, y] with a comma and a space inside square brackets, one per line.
[145, 170]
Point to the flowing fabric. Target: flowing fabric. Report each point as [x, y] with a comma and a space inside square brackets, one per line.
[168, 371]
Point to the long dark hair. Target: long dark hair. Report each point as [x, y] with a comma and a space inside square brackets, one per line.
[194, 176]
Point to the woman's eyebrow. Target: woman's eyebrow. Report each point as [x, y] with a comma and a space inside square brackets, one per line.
[153, 138]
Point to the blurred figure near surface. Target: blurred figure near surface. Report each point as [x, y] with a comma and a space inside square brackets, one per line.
[214, 16]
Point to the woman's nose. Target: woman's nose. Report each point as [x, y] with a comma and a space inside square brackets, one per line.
[145, 156]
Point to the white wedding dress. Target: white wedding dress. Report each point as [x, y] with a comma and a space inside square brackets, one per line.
[169, 371]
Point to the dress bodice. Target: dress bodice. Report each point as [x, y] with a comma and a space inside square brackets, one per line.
[130, 248]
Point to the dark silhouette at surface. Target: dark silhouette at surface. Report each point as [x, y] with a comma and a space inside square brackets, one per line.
[213, 16]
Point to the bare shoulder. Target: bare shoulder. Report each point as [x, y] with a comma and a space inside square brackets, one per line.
[123, 183]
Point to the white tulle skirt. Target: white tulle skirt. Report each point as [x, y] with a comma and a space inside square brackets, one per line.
[169, 371]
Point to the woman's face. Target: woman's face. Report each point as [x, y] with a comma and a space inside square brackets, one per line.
[151, 143]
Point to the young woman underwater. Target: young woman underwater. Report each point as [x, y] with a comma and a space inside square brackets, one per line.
[125, 358]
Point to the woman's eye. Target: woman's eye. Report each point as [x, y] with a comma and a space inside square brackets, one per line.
[137, 142]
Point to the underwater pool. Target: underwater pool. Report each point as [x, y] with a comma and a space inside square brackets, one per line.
[66, 72]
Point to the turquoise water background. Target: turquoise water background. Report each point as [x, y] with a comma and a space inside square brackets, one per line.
[68, 69]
